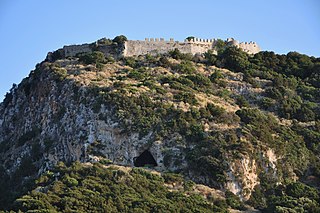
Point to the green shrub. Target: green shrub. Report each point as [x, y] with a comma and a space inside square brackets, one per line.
[120, 39]
[186, 67]
[176, 54]
[216, 76]
[92, 58]
[234, 201]
[242, 101]
[298, 190]
[199, 80]
[173, 178]
[186, 97]
[135, 74]
[130, 61]
[70, 182]
[215, 110]
[109, 189]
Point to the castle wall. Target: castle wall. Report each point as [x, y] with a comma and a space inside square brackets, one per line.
[159, 46]
[155, 46]
[73, 50]
[251, 47]
[200, 47]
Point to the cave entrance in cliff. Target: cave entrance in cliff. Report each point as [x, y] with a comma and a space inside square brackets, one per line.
[145, 160]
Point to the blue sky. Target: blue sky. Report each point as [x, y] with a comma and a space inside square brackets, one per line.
[30, 29]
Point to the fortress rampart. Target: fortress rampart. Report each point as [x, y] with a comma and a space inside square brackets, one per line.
[159, 45]
[154, 46]
[73, 50]
[251, 47]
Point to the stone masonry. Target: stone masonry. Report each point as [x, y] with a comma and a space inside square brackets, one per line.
[159, 45]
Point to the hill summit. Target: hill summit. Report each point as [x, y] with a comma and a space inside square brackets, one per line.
[215, 131]
[154, 46]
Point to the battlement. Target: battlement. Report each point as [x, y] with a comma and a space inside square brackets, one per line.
[193, 40]
[192, 46]
[158, 40]
[200, 40]
[160, 46]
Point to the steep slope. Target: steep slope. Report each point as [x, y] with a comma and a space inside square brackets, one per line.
[98, 188]
[237, 129]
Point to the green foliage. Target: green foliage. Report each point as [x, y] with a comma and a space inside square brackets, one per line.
[176, 54]
[164, 62]
[211, 58]
[172, 178]
[216, 76]
[189, 38]
[294, 76]
[97, 189]
[58, 54]
[150, 104]
[96, 57]
[255, 116]
[186, 97]
[258, 199]
[298, 190]
[215, 110]
[138, 75]
[234, 59]
[69, 181]
[186, 67]
[60, 73]
[130, 61]
[199, 80]
[104, 41]
[242, 101]
[220, 45]
[234, 201]
[297, 197]
[120, 39]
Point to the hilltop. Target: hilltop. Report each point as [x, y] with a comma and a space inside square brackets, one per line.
[246, 126]
[120, 47]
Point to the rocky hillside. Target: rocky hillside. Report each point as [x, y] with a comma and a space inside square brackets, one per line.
[245, 125]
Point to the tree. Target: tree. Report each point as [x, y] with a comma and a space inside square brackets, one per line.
[189, 38]
[120, 39]
[234, 58]
[210, 57]
[92, 58]
[220, 45]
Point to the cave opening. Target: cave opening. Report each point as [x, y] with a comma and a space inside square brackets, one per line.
[145, 159]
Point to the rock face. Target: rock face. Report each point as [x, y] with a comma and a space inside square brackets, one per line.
[53, 116]
[55, 121]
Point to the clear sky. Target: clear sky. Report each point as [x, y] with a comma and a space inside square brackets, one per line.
[30, 29]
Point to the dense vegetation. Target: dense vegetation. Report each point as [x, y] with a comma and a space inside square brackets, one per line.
[94, 188]
[183, 94]
[294, 92]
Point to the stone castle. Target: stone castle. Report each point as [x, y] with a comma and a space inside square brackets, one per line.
[159, 45]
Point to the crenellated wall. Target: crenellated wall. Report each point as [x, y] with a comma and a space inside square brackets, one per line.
[160, 46]
[193, 46]
[251, 47]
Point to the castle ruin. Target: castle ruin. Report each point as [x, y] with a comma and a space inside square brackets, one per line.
[193, 46]
[159, 46]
